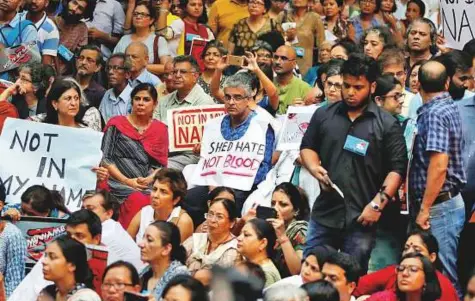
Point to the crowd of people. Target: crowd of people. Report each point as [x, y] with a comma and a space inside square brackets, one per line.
[377, 202]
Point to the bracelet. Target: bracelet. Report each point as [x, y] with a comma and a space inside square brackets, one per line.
[283, 240]
[163, 10]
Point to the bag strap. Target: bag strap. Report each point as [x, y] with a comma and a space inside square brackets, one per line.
[156, 59]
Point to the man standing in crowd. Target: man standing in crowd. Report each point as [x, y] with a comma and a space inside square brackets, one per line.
[72, 32]
[343, 271]
[116, 100]
[187, 94]
[421, 37]
[393, 62]
[48, 34]
[359, 165]
[437, 175]
[107, 25]
[88, 63]
[137, 54]
[288, 85]
[459, 70]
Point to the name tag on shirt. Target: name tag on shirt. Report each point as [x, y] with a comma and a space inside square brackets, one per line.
[65, 53]
[356, 145]
[190, 37]
[300, 51]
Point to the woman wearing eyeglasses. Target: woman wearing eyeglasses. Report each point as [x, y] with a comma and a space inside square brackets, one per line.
[119, 277]
[389, 96]
[416, 281]
[217, 246]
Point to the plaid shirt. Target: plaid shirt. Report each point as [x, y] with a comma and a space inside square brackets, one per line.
[439, 128]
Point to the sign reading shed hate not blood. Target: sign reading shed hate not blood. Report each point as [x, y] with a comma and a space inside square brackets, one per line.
[185, 126]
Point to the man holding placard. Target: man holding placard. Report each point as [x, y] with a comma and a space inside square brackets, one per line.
[236, 149]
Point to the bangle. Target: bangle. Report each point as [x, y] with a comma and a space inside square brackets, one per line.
[283, 240]
[163, 10]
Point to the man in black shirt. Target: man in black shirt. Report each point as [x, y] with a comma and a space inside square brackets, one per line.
[360, 148]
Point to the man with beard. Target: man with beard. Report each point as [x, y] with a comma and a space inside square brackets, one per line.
[48, 34]
[289, 87]
[358, 154]
[88, 63]
[73, 32]
[421, 36]
[459, 69]
[436, 173]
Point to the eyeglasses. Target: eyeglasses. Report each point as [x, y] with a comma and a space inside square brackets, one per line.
[218, 217]
[411, 268]
[114, 68]
[337, 86]
[141, 15]
[237, 98]
[282, 58]
[182, 72]
[397, 96]
[116, 286]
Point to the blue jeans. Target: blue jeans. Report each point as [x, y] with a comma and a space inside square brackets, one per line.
[355, 240]
[446, 224]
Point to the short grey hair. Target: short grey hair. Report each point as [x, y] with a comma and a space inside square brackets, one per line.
[285, 292]
[334, 67]
[240, 80]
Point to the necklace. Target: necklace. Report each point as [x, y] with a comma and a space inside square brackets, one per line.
[140, 129]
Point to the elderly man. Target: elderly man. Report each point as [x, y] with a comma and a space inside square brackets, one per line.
[187, 94]
[137, 54]
[89, 63]
[236, 149]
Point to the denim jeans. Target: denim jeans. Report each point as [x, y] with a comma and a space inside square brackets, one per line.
[355, 240]
[446, 224]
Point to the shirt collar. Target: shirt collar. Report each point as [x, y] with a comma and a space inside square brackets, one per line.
[370, 108]
[434, 101]
[13, 22]
[188, 98]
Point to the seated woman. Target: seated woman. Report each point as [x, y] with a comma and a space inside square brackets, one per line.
[65, 264]
[213, 53]
[185, 288]
[220, 192]
[218, 246]
[375, 40]
[28, 92]
[134, 147]
[169, 189]
[13, 255]
[236, 149]
[416, 280]
[161, 249]
[37, 200]
[385, 279]
[256, 244]
[290, 227]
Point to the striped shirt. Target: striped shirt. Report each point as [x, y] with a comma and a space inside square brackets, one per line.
[48, 35]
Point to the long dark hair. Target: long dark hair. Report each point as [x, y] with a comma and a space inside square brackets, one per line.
[385, 84]
[300, 206]
[75, 253]
[431, 244]
[43, 200]
[170, 234]
[203, 19]
[57, 89]
[265, 230]
[431, 291]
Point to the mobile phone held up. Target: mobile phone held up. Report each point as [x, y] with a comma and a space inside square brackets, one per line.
[235, 60]
[265, 212]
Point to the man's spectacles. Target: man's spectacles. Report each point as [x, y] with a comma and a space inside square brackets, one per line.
[237, 98]
[182, 72]
[397, 74]
[141, 15]
[114, 68]
[282, 58]
[116, 286]
[411, 268]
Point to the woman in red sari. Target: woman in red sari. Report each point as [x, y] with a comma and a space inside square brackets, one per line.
[135, 147]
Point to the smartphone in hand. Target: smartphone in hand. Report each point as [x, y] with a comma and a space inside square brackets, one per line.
[265, 212]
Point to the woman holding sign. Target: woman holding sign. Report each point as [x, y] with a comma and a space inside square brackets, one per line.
[236, 149]
[134, 147]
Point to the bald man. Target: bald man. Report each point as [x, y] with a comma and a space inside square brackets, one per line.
[137, 54]
[437, 174]
[291, 89]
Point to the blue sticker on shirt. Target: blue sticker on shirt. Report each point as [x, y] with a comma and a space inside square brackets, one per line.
[300, 51]
[65, 53]
[191, 36]
[356, 145]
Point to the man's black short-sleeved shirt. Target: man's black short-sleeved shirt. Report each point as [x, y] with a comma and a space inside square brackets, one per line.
[359, 176]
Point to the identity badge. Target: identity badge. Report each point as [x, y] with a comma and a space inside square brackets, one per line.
[65, 53]
[356, 145]
[300, 51]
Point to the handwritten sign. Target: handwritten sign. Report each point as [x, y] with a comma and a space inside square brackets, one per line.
[185, 126]
[230, 163]
[57, 157]
[458, 22]
[295, 126]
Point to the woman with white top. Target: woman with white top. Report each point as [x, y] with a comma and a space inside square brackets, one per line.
[169, 189]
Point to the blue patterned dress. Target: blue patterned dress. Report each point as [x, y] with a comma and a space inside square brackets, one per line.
[12, 257]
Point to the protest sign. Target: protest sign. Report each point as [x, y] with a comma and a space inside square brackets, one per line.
[458, 22]
[38, 233]
[13, 57]
[57, 157]
[295, 126]
[185, 126]
[230, 163]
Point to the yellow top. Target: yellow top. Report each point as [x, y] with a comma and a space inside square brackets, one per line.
[222, 20]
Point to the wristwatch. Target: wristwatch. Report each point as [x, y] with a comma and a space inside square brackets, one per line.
[375, 206]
